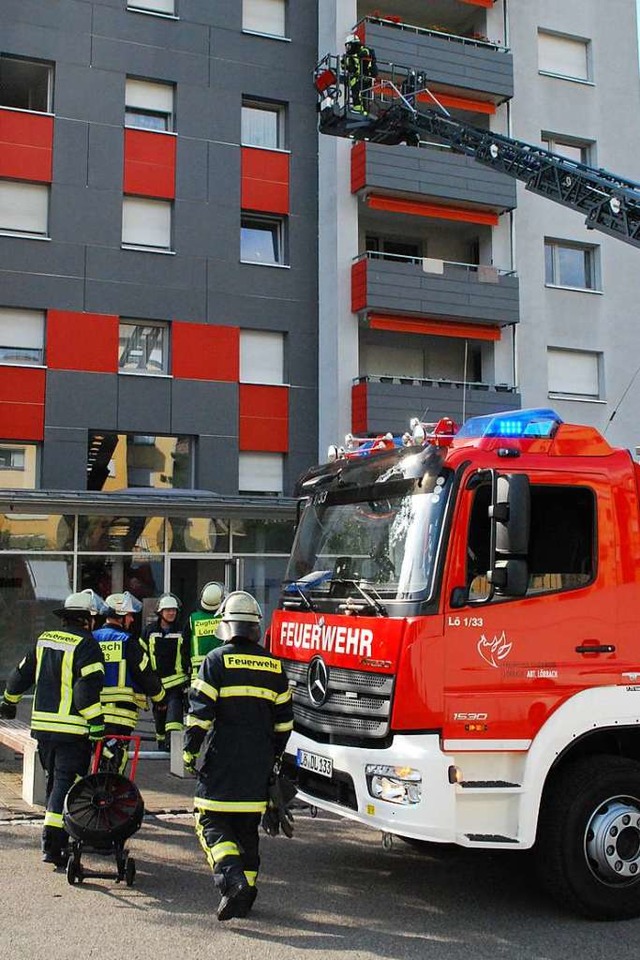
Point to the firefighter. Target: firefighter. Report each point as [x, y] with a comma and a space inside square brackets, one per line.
[166, 646]
[67, 668]
[240, 707]
[359, 66]
[129, 677]
[203, 623]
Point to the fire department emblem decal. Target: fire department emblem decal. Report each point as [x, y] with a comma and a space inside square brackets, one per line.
[318, 681]
[494, 651]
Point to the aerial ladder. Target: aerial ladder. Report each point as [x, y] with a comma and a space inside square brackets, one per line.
[396, 106]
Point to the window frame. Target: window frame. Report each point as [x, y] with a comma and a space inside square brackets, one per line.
[21, 231]
[266, 106]
[139, 7]
[592, 265]
[50, 68]
[250, 343]
[279, 223]
[23, 362]
[557, 394]
[162, 325]
[30, 470]
[588, 47]
[133, 110]
[554, 143]
[249, 458]
[263, 33]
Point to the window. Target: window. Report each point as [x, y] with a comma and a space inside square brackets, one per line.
[561, 552]
[19, 465]
[143, 347]
[569, 265]
[262, 240]
[148, 105]
[21, 336]
[388, 248]
[260, 473]
[262, 125]
[168, 7]
[564, 56]
[116, 461]
[264, 16]
[26, 84]
[579, 150]
[146, 223]
[574, 373]
[24, 207]
[261, 357]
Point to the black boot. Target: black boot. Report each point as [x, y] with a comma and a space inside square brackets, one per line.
[237, 896]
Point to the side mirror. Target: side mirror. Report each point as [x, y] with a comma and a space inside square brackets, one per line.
[510, 514]
[510, 578]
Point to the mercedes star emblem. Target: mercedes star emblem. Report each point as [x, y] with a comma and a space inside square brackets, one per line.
[318, 681]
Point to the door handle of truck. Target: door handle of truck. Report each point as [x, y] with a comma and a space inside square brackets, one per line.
[596, 648]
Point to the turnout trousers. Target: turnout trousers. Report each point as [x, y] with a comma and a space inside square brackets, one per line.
[231, 844]
[170, 719]
[64, 762]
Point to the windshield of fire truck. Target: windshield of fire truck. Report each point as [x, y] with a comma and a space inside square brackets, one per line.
[384, 538]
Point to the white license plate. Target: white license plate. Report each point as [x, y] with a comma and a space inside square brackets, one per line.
[323, 766]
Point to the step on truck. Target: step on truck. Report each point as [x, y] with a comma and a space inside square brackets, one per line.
[460, 624]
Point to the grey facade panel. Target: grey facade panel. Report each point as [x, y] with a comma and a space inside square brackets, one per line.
[144, 405]
[303, 430]
[70, 152]
[480, 69]
[159, 34]
[458, 292]
[106, 156]
[77, 90]
[64, 459]
[82, 218]
[151, 62]
[217, 465]
[40, 291]
[59, 32]
[201, 407]
[390, 406]
[81, 400]
[438, 173]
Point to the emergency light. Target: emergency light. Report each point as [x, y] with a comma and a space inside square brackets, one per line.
[535, 423]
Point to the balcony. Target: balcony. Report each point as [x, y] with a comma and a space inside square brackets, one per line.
[382, 404]
[434, 290]
[432, 171]
[450, 62]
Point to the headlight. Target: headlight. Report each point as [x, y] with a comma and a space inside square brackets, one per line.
[401, 785]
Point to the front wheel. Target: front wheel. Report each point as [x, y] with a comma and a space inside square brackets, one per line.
[588, 843]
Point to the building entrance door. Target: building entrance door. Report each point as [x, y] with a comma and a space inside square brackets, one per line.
[187, 577]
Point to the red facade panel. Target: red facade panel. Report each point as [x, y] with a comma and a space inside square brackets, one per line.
[22, 403]
[265, 180]
[87, 342]
[358, 167]
[149, 164]
[264, 418]
[26, 146]
[358, 286]
[359, 412]
[201, 351]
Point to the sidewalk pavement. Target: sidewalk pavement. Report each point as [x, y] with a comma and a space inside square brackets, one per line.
[162, 791]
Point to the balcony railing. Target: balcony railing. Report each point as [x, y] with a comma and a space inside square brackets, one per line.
[474, 41]
[428, 287]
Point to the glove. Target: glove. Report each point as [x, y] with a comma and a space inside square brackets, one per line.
[278, 816]
[7, 710]
[96, 732]
[161, 707]
[189, 760]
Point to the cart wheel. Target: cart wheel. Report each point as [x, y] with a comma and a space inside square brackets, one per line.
[130, 872]
[72, 871]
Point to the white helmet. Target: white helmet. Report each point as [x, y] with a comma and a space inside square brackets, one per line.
[98, 606]
[211, 596]
[352, 38]
[241, 616]
[168, 602]
[77, 605]
[120, 604]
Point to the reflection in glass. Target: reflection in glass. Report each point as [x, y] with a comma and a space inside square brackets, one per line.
[30, 531]
[30, 588]
[18, 466]
[118, 461]
[198, 535]
[262, 536]
[142, 576]
[263, 579]
[121, 534]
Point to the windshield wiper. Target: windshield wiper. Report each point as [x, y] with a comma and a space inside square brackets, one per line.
[308, 582]
[380, 609]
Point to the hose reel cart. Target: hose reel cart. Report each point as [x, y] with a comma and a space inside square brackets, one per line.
[101, 812]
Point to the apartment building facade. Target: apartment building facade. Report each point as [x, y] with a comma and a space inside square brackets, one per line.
[158, 296]
[446, 288]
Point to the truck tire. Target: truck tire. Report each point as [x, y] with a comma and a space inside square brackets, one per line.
[588, 843]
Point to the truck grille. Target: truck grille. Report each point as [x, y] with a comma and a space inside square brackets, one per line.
[358, 704]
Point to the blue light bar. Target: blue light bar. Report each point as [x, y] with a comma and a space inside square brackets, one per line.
[537, 422]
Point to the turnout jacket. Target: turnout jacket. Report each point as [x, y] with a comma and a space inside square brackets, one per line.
[67, 667]
[201, 637]
[168, 653]
[129, 677]
[240, 706]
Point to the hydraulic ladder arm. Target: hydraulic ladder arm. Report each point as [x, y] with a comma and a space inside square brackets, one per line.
[391, 113]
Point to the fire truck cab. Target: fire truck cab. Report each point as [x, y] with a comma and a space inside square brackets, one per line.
[459, 623]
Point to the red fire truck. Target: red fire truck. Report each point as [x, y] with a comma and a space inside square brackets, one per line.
[460, 627]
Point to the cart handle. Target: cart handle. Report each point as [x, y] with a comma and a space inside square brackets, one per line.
[134, 751]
